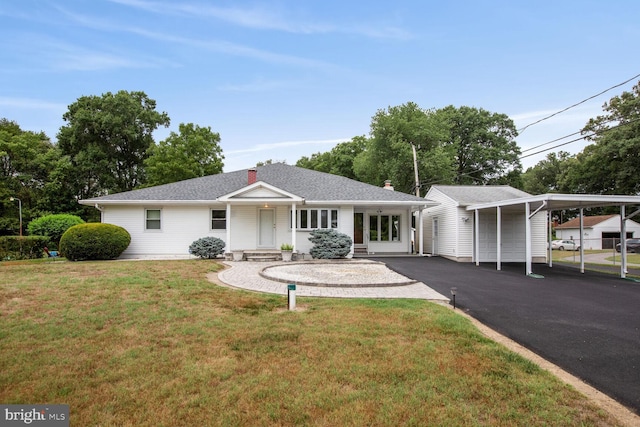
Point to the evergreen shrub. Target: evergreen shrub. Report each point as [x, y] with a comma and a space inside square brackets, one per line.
[53, 226]
[27, 247]
[329, 244]
[207, 247]
[94, 241]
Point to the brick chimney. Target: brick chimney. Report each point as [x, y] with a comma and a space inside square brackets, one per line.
[387, 185]
[252, 176]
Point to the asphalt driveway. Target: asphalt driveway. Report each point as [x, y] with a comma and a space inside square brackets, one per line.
[588, 324]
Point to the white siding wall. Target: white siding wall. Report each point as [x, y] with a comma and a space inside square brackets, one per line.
[448, 215]
[401, 245]
[455, 236]
[181, 226]
[244, 227]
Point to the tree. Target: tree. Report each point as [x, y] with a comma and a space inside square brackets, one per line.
[549, 175]
[192, 153]
[107, 140]
[483, 145]
[611, 165]
[338, 161]
[388, 153]
[26, 160]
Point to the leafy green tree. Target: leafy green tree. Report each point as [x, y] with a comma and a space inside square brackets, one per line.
[26, 160]
[548, 175]
[611, 165]
[191, 153]
[338, 161]
[483, 144]
[388, 153]
[107, 139]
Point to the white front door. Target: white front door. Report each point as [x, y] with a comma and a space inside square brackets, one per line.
[267, 232]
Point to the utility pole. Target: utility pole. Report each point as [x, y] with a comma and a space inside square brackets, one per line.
[415, 169]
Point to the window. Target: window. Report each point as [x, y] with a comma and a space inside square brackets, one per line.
[310, 219]
[152, 219]
[384, 228]
[218, 219]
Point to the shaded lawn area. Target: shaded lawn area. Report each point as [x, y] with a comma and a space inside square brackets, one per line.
[153, 343]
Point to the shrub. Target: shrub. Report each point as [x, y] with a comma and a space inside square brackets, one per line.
[29, 247]
[94, 241]
[53, 226]
[207, 247]
[329, 244]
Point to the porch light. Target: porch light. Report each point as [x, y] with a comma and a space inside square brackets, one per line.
[19, 209]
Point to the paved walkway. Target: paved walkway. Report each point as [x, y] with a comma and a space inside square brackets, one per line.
[246, 275]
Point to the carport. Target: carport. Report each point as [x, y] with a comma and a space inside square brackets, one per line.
[552, 202]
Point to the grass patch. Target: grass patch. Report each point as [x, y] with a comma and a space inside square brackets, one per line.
[154, 343]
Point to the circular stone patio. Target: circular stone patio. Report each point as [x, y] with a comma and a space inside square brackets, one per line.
[341, 273]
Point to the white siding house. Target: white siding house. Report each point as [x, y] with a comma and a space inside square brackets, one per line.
[259, 210]
[600, 231]
[449, 228]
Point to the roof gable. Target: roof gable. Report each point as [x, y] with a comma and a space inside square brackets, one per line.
[259, 191]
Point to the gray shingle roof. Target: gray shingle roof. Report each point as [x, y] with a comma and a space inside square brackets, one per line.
[467, 195]
[308, 184]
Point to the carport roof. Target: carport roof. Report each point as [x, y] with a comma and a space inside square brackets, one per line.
[553, 201]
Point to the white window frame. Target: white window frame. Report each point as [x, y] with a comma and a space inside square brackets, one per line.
[146, 220]
[212, 219]
[378, 224]
[321, 215]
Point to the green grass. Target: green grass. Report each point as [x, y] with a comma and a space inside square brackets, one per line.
[156, 344]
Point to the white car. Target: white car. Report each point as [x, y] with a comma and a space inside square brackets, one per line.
[565, 245]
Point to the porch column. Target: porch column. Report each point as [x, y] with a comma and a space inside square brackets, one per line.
[294, 216]
[623, 242]
[581, 240]
[228, 221]
[499, 238]
[527, 237]
[476, 225]
[420, 227]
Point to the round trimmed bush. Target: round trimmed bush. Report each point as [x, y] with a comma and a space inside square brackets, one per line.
[53, 226]
[94, 241]
[207, 247]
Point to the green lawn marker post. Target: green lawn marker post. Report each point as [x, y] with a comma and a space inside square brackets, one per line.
[291, 297]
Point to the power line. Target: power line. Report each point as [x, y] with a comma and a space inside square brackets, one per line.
[576, 104]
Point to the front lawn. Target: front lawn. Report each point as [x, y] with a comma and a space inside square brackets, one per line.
[153, 343]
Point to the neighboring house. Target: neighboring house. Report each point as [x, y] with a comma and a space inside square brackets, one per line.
[449, 228]
[260, 209]
[600, 232]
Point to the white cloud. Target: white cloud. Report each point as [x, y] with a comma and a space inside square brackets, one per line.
[260, 17]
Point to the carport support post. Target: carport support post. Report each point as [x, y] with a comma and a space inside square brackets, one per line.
[527, 237]
[476, 221]
[549, 248]
[623, 242]
[581, 240]
[499, 238]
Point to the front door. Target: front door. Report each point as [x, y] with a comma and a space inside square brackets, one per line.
[267, 231]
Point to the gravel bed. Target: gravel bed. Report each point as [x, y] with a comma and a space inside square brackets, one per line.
[336, 274]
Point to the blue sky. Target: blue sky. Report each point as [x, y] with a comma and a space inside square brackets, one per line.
[284, 79]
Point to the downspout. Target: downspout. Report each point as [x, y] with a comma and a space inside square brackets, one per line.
[101, 209]
[581, 240]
